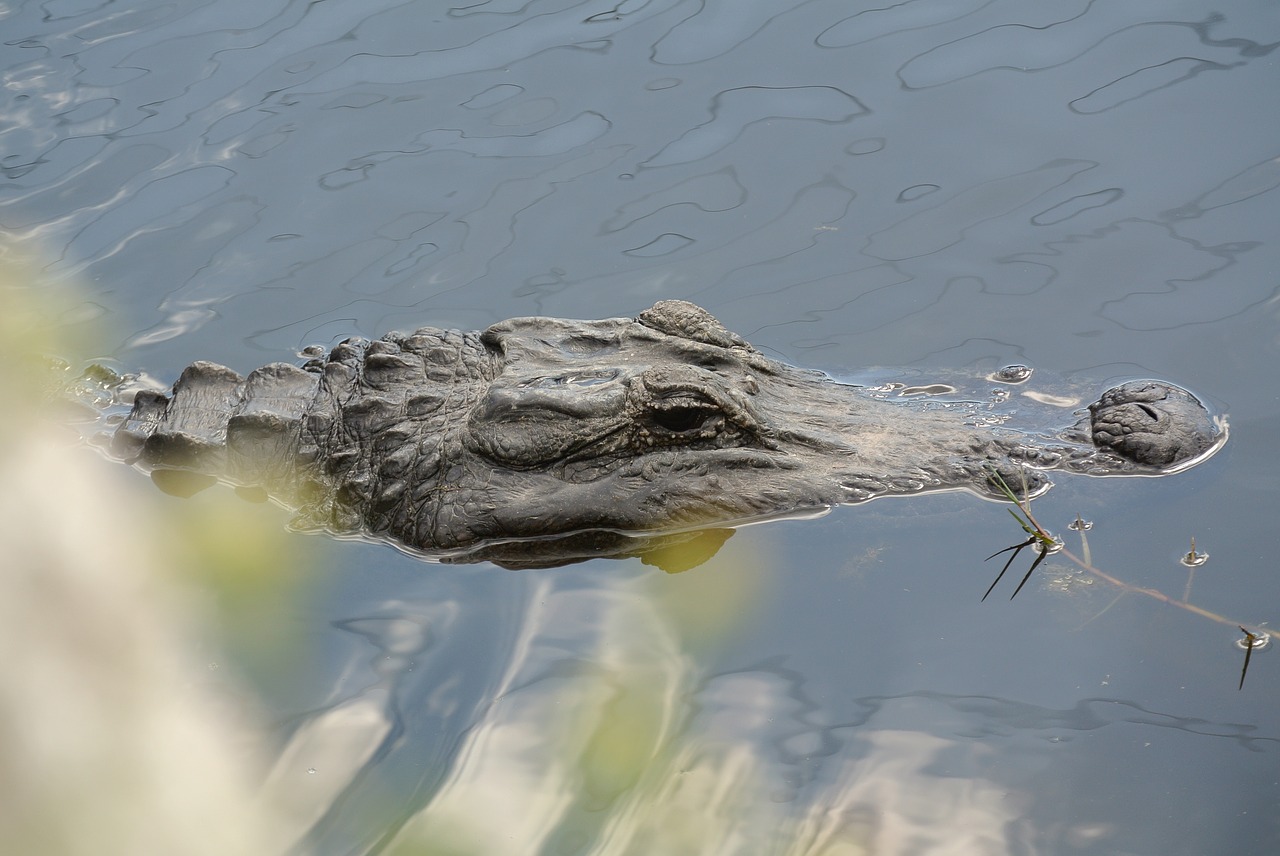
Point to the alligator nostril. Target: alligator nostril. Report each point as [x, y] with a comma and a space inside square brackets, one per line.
[1150, 411]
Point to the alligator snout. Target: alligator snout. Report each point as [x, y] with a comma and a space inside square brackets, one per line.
[1154, 424]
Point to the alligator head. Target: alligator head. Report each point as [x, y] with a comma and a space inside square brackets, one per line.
[542, 440]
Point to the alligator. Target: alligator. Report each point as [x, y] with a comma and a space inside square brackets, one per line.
[543, 441]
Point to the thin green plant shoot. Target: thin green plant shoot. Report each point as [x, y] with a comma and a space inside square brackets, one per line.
[1038, 537]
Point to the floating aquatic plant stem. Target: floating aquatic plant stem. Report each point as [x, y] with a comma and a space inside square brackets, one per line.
[1037, 534]
[1192, 560]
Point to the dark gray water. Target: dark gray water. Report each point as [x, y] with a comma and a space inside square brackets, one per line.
[949, 186]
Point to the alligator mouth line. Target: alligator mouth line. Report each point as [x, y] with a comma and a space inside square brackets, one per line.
[656, 460]
[1221, 425]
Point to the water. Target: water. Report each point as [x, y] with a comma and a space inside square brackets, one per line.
[1083, 188]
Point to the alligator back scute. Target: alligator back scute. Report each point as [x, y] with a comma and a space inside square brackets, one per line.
[262, 435]
[147, 414]
[188, 428]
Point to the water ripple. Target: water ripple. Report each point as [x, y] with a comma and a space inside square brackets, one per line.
[734, 110]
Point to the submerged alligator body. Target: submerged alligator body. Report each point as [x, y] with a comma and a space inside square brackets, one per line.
[540, 440]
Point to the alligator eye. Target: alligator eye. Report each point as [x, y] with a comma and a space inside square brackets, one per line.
[681, 419]
[684, 415]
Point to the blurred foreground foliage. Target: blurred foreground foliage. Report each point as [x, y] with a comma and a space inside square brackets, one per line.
[118, 738]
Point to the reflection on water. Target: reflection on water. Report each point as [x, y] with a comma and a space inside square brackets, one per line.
[601, 735]
[598, 732]
[1081, 186]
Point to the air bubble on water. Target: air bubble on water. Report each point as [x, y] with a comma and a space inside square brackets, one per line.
[891, 386]
[1016, 373]
[930, 389]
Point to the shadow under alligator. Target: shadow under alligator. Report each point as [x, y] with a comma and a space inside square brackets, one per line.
[543, 441]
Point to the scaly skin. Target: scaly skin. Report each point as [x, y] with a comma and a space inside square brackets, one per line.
[542, 440]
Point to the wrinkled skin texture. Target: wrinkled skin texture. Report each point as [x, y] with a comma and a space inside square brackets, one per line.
[540, 441]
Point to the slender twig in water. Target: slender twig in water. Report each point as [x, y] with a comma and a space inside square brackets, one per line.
[1192, 560]
[1084, 540]
[1249, 639]
[1040, 537]
[1150, 592]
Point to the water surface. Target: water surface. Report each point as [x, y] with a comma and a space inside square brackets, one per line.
[946, 186]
